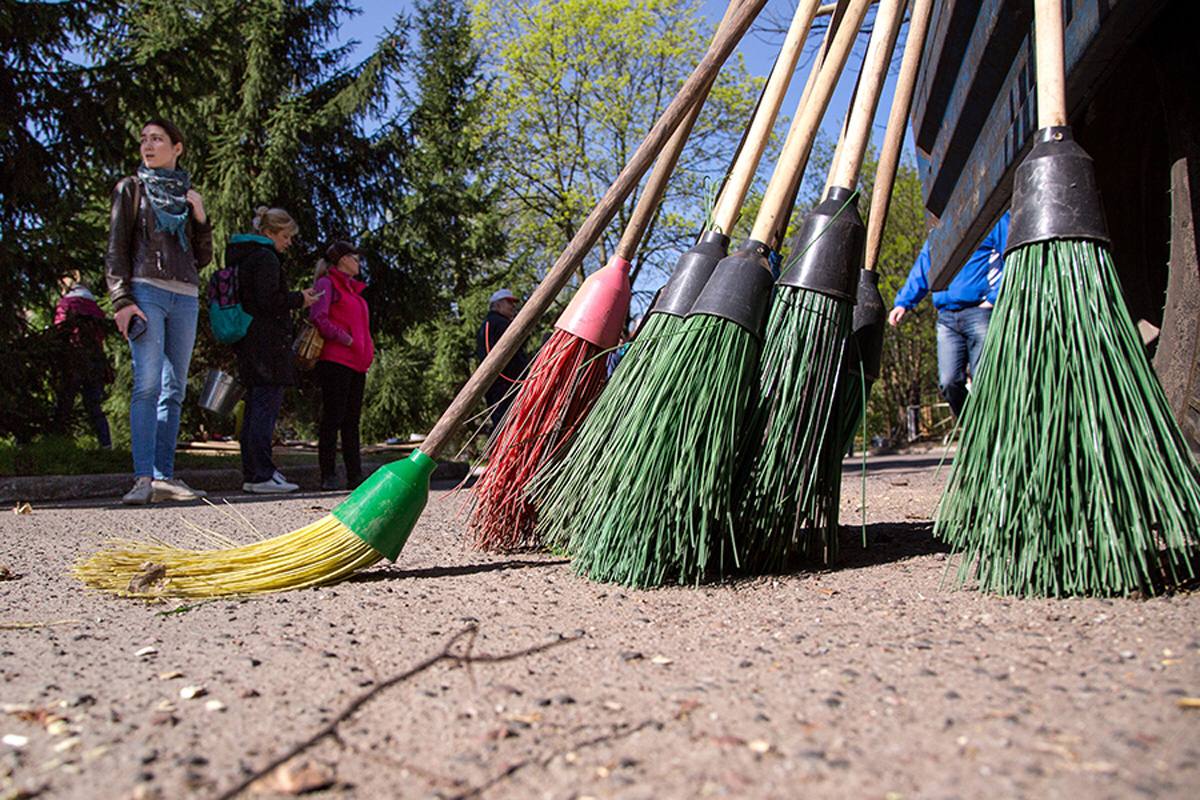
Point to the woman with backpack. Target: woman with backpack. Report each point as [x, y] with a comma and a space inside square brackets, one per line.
[342, 318]
[265, 363]
[159, 236]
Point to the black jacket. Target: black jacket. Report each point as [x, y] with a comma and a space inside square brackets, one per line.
[265, 353]
[493, 327]
[138, 249]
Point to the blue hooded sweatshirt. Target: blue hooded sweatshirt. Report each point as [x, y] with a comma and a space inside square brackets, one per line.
[976, 282]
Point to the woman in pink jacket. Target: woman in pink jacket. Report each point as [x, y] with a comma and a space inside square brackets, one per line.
[342, 318]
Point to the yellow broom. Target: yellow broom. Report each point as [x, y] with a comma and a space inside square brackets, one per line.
[375, 521]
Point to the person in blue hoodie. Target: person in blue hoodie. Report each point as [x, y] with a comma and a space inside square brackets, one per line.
[964, 309]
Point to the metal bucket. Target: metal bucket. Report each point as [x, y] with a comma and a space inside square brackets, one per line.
[221, 392]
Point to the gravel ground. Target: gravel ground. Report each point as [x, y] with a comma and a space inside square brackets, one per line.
[873, 680]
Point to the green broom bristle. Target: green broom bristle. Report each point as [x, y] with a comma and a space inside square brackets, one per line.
[653, 504]
[781, 505]
[1072, 477]
[556, 488]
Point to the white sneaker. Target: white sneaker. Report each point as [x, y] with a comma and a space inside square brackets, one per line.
[175, 489]
[141, 494]
[273, 486]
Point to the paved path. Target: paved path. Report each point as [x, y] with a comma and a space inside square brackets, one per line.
[869, 681]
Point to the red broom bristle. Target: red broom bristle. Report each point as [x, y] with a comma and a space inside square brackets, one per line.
[563, 382]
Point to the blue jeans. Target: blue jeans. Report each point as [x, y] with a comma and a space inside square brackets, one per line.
[161, 357]
[258, 432]
[960, 336]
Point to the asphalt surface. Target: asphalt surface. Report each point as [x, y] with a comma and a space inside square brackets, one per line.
[874, 680]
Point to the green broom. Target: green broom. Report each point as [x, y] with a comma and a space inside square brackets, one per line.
[656, 506]
[809, 324]
[377, 518]
[1072, 477]
[864, 348]
[557, 492]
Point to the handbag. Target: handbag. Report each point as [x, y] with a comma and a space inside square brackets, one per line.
[308, 345]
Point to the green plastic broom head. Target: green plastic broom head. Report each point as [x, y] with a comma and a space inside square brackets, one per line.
[739, 289]
[1055, 194]
[692, 271]
[385, 508]
[829, 247]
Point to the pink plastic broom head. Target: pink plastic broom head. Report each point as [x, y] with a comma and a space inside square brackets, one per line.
[598, 310]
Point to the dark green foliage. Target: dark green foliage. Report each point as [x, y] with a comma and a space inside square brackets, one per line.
[655, 507]
[1072, 477]
[781, 496]
[445, 230]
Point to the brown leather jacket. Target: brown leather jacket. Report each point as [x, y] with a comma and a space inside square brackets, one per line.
[138, 249]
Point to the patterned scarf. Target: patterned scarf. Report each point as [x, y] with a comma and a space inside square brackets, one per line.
[167, 190]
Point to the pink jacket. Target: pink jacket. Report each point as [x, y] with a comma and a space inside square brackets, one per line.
[343, 320]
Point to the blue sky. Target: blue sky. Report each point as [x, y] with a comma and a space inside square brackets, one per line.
[757, 48]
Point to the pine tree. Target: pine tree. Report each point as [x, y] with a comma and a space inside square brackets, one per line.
[444, 240]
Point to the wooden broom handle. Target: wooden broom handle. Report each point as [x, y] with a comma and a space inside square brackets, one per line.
[729, 204]
[893, 140]
[804, 126]
[656, 185]
[794, 186]
[849, 156]
[483, 376]
[1051, 63]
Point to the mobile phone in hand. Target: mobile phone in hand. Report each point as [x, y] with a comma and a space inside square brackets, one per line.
[137, 326]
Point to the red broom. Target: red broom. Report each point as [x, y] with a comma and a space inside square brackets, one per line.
[565, 378]
[567, 374]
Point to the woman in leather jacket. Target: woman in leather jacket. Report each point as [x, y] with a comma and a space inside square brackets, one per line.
[159, 237]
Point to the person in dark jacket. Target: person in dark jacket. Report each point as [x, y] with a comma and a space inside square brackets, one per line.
[265, 361]
[343, 320]
[85, 368]
[502, 307]
[159, 236]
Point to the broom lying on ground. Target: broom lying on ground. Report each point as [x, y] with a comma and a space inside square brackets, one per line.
[1072, 477]
[375, 521]
[864, 349]
[557, 490]
[655, 507]
[566, 376]
[806, 335]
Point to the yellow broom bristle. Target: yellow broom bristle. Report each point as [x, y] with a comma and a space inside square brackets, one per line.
[323, 552]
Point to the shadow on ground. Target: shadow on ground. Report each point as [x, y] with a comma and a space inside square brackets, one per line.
[393, 573]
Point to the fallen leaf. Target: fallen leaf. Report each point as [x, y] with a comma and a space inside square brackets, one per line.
[22, 508]
[295, 778]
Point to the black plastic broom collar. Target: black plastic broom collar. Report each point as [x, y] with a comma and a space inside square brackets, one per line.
[1055, 195]
[692, 271]
[739, 289]
[829, 247]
